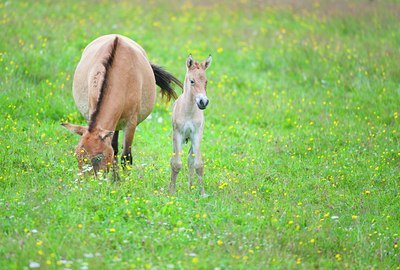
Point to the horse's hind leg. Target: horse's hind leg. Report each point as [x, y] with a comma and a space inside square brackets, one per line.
[175, 161]
[191, 167]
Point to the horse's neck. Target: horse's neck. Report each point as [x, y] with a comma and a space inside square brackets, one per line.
[108, 114]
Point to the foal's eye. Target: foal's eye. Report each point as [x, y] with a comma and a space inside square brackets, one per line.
[192, 82]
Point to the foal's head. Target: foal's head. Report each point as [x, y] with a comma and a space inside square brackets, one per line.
[196, 80]
[94, 149]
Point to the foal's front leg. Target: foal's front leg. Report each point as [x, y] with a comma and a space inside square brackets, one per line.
[190, 167]
[114, 145]
[175, 161]
[197, 160]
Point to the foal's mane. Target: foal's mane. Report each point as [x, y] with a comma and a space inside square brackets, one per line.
[107, 63]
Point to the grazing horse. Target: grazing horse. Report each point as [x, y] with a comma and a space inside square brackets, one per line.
[188, 122]
[115, 89]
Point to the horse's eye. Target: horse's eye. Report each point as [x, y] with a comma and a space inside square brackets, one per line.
[192, 82]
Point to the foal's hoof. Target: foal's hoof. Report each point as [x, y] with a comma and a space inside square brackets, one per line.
[171, 190]
[204, 195]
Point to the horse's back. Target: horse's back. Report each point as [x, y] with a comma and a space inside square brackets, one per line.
[130, 78]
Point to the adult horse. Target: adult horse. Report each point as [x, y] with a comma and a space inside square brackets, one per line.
[115, 89]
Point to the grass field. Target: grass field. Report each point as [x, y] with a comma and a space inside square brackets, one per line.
[301, 143]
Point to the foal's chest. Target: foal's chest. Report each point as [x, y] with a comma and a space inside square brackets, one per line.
[189, 128]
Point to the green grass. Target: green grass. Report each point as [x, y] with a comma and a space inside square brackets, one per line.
[301, 141]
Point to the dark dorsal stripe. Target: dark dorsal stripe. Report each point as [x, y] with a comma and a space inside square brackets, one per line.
[107, 63]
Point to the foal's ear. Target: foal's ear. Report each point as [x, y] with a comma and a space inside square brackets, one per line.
[207, 62]
[189, 61]
[75, 128]
[104, 134]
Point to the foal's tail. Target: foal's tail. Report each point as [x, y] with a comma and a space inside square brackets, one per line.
[164, 80]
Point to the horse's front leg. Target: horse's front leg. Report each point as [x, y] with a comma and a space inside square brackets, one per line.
[198, 161]
[175, 161]
[114, 145]
[126, 158]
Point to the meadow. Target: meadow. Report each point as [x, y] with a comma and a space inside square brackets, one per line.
[301, 143]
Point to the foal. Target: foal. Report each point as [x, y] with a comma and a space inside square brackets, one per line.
[188, 122]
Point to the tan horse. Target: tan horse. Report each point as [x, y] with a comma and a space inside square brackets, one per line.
[188, 122]
[115, 89]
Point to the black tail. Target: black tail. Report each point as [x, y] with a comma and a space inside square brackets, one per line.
[164, 81]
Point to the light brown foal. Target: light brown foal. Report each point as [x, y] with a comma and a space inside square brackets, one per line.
[188, 122]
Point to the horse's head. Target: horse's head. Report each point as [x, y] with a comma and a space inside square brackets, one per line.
[196, 80]
[94, 150]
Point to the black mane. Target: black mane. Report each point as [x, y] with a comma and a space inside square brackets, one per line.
[107, 63]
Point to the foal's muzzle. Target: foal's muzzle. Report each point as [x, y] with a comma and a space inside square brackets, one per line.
[202, 102]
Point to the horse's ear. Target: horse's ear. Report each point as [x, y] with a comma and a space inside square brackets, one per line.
[207, 62]
[75, 128]
[189, 61]
[104, 134]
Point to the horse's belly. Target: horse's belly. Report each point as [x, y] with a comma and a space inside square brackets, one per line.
[147, 105]
[131, 83]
